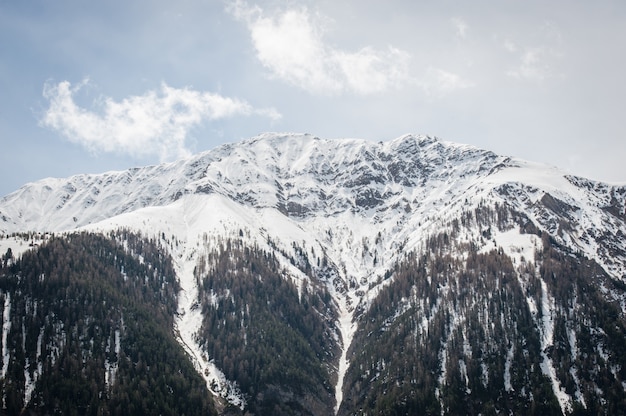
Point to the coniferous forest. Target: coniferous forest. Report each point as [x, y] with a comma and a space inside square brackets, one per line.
[88, 329]
[277, 340]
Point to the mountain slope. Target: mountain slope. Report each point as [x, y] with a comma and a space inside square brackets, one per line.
[87, 329]
[409, 179]
[339, 218]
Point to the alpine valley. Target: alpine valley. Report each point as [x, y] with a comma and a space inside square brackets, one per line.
[289, 274]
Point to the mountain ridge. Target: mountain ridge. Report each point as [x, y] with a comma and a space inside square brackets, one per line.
[342, 214]
[395, 187]
[188, 173]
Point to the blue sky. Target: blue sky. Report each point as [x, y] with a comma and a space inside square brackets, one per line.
[87, 87]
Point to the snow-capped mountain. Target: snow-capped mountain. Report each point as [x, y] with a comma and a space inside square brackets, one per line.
[346, 215]
[398, 188]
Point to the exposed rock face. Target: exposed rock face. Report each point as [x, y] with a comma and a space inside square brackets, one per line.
[424, 276]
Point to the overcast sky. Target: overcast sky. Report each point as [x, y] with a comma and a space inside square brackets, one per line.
[87, 87]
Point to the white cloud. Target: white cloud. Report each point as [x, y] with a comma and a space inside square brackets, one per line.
[155, 123]
[461, 27]
[510, 46]
[439, 82]
[540, 61]
[370, 71]
[535, 63]
[291, 45]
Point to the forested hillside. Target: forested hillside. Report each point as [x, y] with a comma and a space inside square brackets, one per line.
[466, 331]
[276, 339]
[87, 330]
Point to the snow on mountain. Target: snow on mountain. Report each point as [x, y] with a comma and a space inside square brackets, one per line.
[361, 204]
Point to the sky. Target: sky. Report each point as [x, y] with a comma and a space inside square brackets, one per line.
[89, 87]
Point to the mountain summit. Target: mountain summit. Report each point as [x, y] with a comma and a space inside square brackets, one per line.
[401, 188]
[289, 172]
[415, 275]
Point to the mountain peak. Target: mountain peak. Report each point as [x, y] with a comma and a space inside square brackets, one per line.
[435, 246]
[409, 180]
[293, 172]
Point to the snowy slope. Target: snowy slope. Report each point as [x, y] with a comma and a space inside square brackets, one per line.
[361, 204]
[394, 187]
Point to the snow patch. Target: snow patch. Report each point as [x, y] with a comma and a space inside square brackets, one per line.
[20, 244]
[6, 327]
[546, 330]
[110, 368]
[189, 321]
[347, 329]
[31, 382]
[507, 369]
[519, 247]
